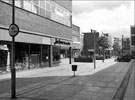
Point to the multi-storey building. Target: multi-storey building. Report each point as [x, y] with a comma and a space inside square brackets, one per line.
[45, 29]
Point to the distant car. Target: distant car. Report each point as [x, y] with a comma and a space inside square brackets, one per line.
[124, 58]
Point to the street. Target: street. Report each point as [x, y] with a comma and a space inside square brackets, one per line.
[58, 83]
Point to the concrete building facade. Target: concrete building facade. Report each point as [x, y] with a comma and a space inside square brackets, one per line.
[45, 29]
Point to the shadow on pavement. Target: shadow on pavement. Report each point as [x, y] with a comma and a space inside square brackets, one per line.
[100, 85]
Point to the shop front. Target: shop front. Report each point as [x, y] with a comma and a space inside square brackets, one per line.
[32, 51]
[30, 56]
[61, 46]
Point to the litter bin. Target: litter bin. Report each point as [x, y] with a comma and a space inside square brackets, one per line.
[74, 68]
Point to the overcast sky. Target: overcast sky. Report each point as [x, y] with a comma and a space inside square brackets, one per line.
[113, 17]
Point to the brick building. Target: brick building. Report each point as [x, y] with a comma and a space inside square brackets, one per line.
[89, 42]
[45, 31]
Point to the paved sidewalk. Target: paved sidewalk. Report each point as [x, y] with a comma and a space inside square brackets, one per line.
[58, 83]
[130, 91]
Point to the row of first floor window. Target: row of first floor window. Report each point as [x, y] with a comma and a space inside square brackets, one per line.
[45, 8]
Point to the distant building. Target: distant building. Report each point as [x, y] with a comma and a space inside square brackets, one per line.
[109, 50]
[116, 46]
[132, 50]
[126, 45]
[81, 40]
[88, 41]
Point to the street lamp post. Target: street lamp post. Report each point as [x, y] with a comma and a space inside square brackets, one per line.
[94, 58]
[13, 71]
[13, 31]
[94, 50]
[122, 44]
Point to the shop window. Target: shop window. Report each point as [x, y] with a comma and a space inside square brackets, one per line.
[3, 59]
[56, 54]
[45, 56]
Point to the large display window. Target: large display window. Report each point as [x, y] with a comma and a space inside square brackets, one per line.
[44, 55]
[56, 54]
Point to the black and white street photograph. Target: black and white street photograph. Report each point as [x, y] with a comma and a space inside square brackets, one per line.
[67, 49]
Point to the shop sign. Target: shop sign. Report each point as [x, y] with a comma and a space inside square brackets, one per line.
[62, 42]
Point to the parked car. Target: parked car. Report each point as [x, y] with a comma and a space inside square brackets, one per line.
[124, 58]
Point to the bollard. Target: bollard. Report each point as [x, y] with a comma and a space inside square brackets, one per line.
[74, 68]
